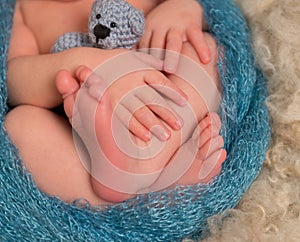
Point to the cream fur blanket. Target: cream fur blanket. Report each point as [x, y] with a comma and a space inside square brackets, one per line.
[270, 210]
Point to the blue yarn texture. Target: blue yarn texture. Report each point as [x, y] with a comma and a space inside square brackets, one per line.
[27, 214]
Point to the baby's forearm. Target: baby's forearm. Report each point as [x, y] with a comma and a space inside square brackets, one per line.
[31, 79]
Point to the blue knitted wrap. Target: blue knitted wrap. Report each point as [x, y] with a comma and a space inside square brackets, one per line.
[27, 214]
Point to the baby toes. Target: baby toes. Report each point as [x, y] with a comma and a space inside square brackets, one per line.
[207, 128]
[212, 145]
[68, 87]
[211, 166]
[92, 81]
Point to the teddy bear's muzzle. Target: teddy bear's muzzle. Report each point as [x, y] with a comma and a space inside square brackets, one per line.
[101, 32]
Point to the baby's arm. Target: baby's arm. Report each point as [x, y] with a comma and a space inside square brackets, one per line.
[31, 75]
[146, 5]
[173, 22]
[31, 78]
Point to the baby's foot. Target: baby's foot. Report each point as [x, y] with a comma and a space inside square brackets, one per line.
[199, 159]
[124, 175]
[211, 154]
[117, 175]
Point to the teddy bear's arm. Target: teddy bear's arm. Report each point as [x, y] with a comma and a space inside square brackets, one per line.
[71, 40]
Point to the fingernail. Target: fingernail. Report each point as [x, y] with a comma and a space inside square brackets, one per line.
[169, 68]
[206, 59]
[183, 100]
[160, 133]
[164, 136]
[147, 136]
[178, 124]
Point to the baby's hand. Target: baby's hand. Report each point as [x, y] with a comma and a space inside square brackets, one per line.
[142, 108]
[172, 23]
[145, 108]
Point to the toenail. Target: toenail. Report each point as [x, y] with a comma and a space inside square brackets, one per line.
[96, 91]
[215, 118]
[69, 93]
[209, 165]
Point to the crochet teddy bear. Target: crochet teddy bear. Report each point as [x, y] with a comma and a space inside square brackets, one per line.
[112, 24]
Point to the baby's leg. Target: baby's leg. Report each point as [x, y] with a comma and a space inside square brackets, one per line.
[210, 155]
[84, 111]
[46, 146]
[105, 138]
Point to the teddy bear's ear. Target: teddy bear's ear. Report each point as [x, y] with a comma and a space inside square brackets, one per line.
[136, 21]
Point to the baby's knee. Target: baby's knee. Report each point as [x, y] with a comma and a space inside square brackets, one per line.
[14, 117]
[23, 120]
[20, 115]
[16, 123]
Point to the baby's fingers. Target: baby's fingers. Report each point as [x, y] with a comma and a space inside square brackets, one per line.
[173, 50]
[150, 60]
[196, 37]
[141, 116]
[163, 85]
[159, 106]
[145, 41]
[131, 123]
[157, 45]
[153, 42]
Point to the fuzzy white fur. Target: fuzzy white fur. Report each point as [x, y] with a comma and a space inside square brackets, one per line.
[270, 210]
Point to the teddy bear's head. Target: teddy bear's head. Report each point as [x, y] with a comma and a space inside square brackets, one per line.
[115, 24]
